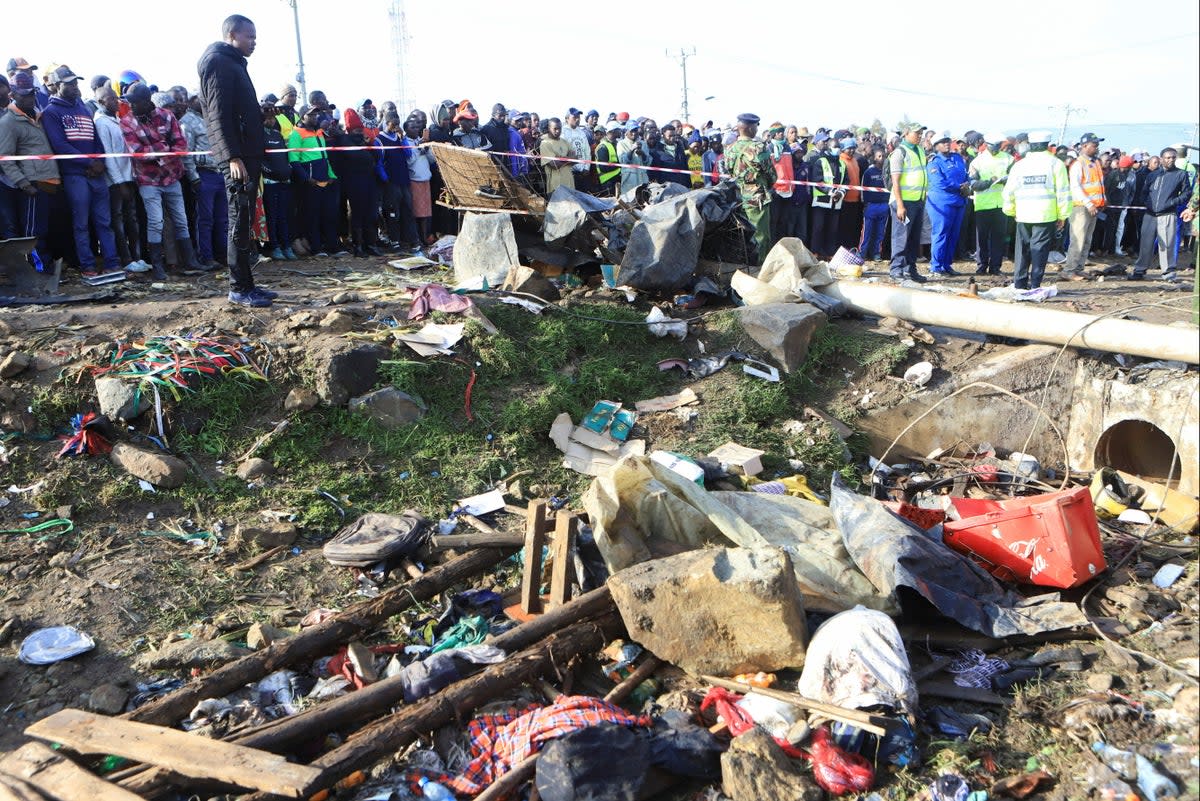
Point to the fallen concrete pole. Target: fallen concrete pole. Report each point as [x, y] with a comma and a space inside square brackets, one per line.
[1021, 321]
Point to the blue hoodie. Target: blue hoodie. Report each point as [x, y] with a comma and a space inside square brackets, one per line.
[71, 130]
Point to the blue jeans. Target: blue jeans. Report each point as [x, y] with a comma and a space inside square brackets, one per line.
[212, 216]
[875, 219]
[906, 237]
[945, 220]
[88, 199]
[154, 198]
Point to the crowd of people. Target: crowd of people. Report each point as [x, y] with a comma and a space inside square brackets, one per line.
[283, 177]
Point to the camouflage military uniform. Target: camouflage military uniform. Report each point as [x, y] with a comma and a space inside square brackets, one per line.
[751, 168]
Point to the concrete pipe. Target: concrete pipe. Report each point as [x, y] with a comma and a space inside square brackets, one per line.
[1021, 321]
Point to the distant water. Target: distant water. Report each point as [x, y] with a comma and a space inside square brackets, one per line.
[1152, 137]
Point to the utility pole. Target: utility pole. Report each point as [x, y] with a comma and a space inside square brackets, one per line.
[399, 42]
[683, 57]
[1068, 110]
[299, 54]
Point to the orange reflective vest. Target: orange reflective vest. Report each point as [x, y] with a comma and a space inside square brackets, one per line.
[1091, 180]
[784, 175]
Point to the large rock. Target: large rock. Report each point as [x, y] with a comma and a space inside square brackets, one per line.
[755, 768]
[191, 654]
[108, 699]
[389, 407]
[342, 371]
[120, 400]
[13, 364]
[265, 535]
[254, 468]
[300, 399]
[783, 330]
[721, 610]
[160, 469]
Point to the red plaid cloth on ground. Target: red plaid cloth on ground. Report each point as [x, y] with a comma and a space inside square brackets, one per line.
[498, 742]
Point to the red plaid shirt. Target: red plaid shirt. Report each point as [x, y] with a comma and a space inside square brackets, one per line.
[500, 742]
[161, 134]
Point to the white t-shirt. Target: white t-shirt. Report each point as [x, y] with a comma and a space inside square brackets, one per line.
[580, 148]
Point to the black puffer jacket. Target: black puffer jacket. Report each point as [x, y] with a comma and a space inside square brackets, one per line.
[231, 109]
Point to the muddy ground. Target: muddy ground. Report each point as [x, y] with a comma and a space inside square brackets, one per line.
[128, 577]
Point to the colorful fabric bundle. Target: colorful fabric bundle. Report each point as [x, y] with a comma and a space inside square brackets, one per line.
[87, 440]
[170, 361]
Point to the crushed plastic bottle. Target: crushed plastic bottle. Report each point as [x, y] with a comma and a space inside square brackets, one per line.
[434, 791]
[1152, 783]
[1123, 763]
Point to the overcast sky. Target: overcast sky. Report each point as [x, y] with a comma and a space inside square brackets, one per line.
[969, 66]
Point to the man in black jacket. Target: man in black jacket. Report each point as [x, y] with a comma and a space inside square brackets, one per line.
[235, 133]
[1166, 190]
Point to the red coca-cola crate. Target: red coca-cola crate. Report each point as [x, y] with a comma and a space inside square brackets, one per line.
[1051, 540]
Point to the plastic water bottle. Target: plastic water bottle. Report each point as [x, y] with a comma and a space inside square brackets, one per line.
[434, 791]
[1152, 783]
[1123, 763]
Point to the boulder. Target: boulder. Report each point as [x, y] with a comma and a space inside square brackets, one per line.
[254, 468]
[108, 699]
[120, 400]
[261, 635]
[264, 535]
[338, 322]
[389, 407]
[7, 394]
[191, 654]
[160, 469]
[721, 610]
[530, 282]
[343, 370]
[300, 399]
[13, 364]
[783, 330]
[755, 768]
[18, 420]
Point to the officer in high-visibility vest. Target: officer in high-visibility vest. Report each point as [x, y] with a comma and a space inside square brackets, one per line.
[1087, 196]
[909, 184]
[1038, 195]
[606, 153]
[987, 172]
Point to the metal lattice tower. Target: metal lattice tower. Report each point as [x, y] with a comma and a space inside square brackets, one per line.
[400, 40]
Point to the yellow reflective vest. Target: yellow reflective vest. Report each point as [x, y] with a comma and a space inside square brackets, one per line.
[913, 180]
[1037, 189]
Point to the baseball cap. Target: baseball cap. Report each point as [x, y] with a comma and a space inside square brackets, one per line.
[592, 113]
[139, 92]
[613, 126]
[574, 112]
[909, 127]
[995, 137]
[973, 138]
[269, 99]
[849, 143]
[1040, 137]
[623, 116]
[1090, 137]
[944, 136]
[820, 137]
[1125, 161]
[22, 84]
[60, 74]
[19, 63]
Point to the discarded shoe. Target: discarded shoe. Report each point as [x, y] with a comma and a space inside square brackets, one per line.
[250, 299]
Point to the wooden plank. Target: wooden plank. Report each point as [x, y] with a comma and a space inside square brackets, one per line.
[56, 777]
[499, 539]
[187, 754]
[562, 572]
[531, 575]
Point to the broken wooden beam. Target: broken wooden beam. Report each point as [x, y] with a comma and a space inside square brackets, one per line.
[863, 720]
[341, 713]
[562, 569]
[187, 754]
[531, 574]
[625, 688]
[51, 775]
[320, 639]
[497, 539]
[394, 732]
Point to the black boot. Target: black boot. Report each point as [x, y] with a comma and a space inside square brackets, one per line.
[188, 261]
[158, 261]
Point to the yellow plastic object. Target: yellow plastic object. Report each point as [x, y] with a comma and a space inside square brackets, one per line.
[796, 486]
[1175, 509]
[1107, 504]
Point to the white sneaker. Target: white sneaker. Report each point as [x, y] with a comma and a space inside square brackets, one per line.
[137, 267]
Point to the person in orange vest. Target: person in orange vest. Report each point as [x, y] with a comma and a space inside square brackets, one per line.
[1086, 176]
